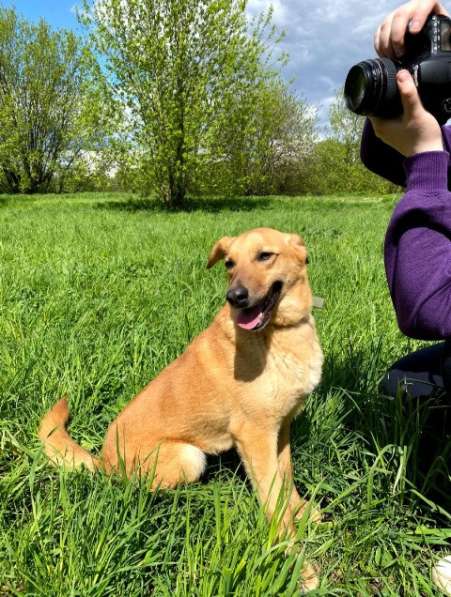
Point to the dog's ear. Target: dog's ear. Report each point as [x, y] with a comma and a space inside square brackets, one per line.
[219, 251]
[299, 247]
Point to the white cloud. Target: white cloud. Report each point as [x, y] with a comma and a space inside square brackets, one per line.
[324, 38]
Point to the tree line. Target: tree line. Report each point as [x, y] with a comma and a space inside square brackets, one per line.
[173, 98]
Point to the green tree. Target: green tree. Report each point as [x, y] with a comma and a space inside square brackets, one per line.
[49, 100]
[335, 164]
[262, 151]
[346, 127]
[177, 66]
[284, 140]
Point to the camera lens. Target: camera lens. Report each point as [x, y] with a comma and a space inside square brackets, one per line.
[358, 85]
[371, 89]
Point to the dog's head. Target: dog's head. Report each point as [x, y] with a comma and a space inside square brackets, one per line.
[268, 280]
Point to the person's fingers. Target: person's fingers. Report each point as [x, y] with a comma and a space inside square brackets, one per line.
[385, 47]
[419, 16]
[398, 30]
[389, 37]
[409, 95]
[421, 13]
[377, 37]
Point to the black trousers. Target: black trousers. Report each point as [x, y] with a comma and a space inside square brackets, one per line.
[423, 378]
[425, 373]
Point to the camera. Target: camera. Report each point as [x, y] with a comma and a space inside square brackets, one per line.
[371, 88]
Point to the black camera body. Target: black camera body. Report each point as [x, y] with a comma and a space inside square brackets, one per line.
[371, 88]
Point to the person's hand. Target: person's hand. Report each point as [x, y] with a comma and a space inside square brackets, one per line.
[389, 38]
[416, 131]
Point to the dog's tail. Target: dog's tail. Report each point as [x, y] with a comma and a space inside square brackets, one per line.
[60, 448]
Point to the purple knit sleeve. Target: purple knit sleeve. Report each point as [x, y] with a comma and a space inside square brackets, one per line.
[418, 249]
[381, 158]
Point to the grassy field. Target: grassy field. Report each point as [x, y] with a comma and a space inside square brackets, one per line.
[100, 292]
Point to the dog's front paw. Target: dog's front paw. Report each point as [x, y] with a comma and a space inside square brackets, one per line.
[310, 579]
[313, 513]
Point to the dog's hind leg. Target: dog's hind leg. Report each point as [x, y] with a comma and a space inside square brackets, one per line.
[172, 463]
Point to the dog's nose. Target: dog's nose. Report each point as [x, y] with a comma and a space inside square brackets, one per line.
[238, 297]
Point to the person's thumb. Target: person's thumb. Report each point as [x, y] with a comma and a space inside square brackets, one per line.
[409, 95]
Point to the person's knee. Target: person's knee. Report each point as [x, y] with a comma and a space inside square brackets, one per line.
[394, 382]
[419, 374]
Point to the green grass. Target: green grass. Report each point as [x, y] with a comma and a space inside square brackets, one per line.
[97, 294]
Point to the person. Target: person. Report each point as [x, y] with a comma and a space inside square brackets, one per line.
[414, 151]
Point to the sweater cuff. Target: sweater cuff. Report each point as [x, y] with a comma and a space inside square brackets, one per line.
[427, 171]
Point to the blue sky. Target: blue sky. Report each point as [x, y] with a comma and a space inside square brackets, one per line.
[324, 38]
[59, 13]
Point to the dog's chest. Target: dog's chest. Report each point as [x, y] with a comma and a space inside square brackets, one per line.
[288, 379]
[289, 375]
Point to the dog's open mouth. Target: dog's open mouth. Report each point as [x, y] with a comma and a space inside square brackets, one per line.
[257, 317]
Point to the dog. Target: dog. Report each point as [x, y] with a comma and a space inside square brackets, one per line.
[239, 384]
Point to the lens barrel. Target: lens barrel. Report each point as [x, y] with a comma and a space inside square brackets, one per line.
[371, 88]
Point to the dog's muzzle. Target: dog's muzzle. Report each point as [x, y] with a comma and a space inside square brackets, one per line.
[257, 317]
[238, 297]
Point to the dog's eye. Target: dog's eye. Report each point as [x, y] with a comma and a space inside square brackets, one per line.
[264, 256]
[229, 264]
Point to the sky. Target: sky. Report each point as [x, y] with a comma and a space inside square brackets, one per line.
[323, 38]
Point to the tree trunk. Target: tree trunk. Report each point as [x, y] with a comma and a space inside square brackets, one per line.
[12, 181]
[179, 194]
[178, 178]
[175, 195]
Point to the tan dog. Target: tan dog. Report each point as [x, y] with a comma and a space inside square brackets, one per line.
[239, 383]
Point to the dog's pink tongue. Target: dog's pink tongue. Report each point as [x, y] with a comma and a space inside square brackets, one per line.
[250, 319]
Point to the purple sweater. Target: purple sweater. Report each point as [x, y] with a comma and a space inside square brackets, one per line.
[418, 240]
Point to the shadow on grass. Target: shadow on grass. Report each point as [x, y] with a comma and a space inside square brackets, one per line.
[226, 461]
[207, 204]
[417, 428]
